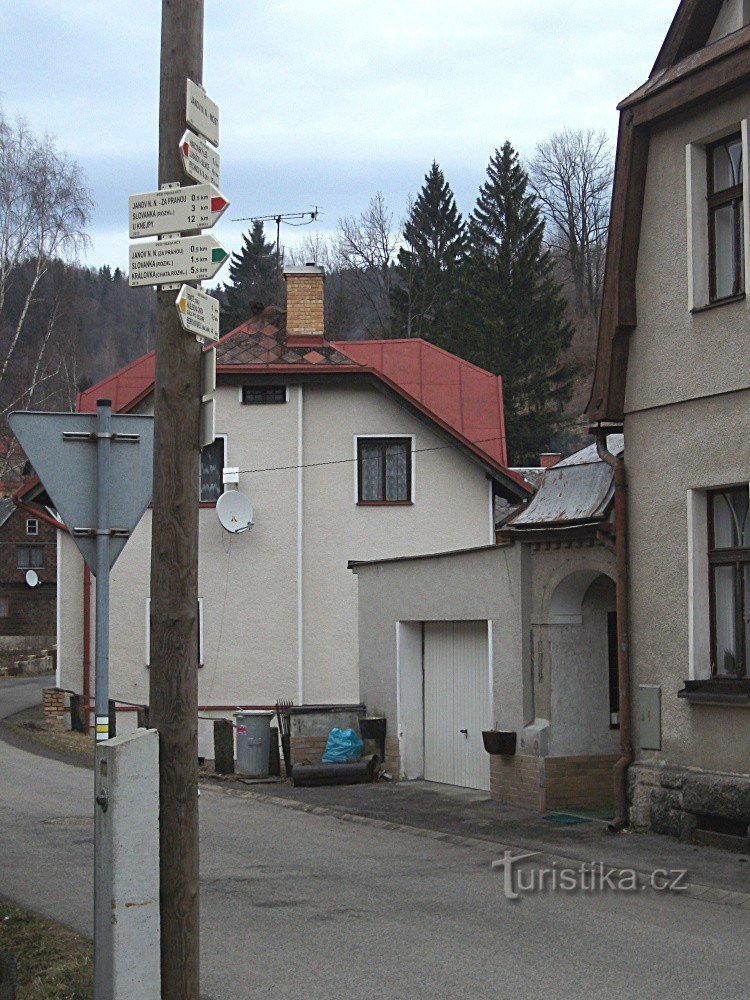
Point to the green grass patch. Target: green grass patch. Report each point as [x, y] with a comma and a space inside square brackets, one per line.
[53, 962]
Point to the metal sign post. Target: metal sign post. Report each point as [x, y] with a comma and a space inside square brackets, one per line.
[101, 655]
[101, 495]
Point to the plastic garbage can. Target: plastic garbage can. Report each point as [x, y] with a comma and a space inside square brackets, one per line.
[253, 739]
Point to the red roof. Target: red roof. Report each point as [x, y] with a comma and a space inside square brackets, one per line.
[464, 400]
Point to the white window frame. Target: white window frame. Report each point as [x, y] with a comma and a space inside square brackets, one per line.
[32, 521]
[696, 181]
[364, 437]
[225, 465]
[200, 633]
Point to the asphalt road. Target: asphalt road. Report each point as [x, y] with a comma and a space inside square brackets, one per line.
[294, 904]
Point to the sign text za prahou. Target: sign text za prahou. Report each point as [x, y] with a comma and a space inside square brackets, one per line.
[175, 210]
[190, 258]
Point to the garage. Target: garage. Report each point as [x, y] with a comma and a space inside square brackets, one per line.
[456, 703]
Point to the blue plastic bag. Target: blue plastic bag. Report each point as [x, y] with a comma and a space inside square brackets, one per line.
[342, 747]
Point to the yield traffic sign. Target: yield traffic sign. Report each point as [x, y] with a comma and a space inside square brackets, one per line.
[174, 210]
[62, 449]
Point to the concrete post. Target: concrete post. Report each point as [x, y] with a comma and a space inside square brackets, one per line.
[127, 863]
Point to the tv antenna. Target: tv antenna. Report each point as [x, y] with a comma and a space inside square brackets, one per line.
[305, 219]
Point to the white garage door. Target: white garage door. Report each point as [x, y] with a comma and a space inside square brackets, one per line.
[456, 703]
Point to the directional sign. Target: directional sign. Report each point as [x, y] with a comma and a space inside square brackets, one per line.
[173, 210]
[191, 258]
[199, 160]
[202, 113]
[63, 453]
[198, 312]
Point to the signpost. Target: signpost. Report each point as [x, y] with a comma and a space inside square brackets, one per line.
[202, 113]
[97, 470]
[198, 312]
[184, 421]
[199, 160]
[190, 258]
[174, 210]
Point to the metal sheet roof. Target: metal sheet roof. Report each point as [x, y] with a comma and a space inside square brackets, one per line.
[576, 490]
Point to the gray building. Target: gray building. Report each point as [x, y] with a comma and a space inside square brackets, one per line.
[515, 640]
[673, 371]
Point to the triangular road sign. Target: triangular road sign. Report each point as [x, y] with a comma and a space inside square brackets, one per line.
[64, 457]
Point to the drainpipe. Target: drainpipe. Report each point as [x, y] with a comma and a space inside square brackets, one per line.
[620, 771]
[86, 687]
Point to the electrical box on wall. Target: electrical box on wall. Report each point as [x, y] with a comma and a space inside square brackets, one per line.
[649, 706]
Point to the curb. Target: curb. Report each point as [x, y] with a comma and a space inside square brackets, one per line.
[692, 890]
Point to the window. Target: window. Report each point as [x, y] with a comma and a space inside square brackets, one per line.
[258, 394]
[213, 460]
[729, 581]
[725, 219]
[384, 470]
[148, 631]
[4, 607]
[30, 556]
[32, 526]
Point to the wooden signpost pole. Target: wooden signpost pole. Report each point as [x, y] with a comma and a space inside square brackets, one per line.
[174, 548]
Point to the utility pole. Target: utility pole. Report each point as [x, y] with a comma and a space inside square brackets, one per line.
[174, 548]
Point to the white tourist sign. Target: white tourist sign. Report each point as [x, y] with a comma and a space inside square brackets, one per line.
[199, 160]
[201, 113]
[198, 312]
[166, 262]
[175, 210]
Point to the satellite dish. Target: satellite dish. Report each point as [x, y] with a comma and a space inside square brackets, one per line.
[32, 577]
[235, 512]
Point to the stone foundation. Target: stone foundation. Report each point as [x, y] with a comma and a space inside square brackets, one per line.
[541, 784]
[689, 804]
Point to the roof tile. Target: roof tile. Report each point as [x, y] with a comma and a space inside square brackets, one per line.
[464, 399]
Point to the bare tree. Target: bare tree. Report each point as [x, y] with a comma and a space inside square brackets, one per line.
[571, 174]
[44, 209]
[366, 248]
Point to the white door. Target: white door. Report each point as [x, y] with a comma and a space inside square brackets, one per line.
[456, 703]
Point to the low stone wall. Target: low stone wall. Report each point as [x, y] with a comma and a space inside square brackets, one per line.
[576, 782]
[518, 781]
[544, 783]
[687, 803]
[309, 750]
[33, 658]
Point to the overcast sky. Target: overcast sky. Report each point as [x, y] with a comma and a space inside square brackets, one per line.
[323, 103]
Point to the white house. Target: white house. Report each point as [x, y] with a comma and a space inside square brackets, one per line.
[348, 450]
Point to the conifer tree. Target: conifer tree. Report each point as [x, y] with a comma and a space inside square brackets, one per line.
[426, 273]
[511, 318]
[255, 280]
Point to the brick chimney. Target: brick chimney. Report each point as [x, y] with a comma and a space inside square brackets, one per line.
[549, 458]
[304, 305]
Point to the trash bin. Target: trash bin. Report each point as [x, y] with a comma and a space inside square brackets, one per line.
[253, 739]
